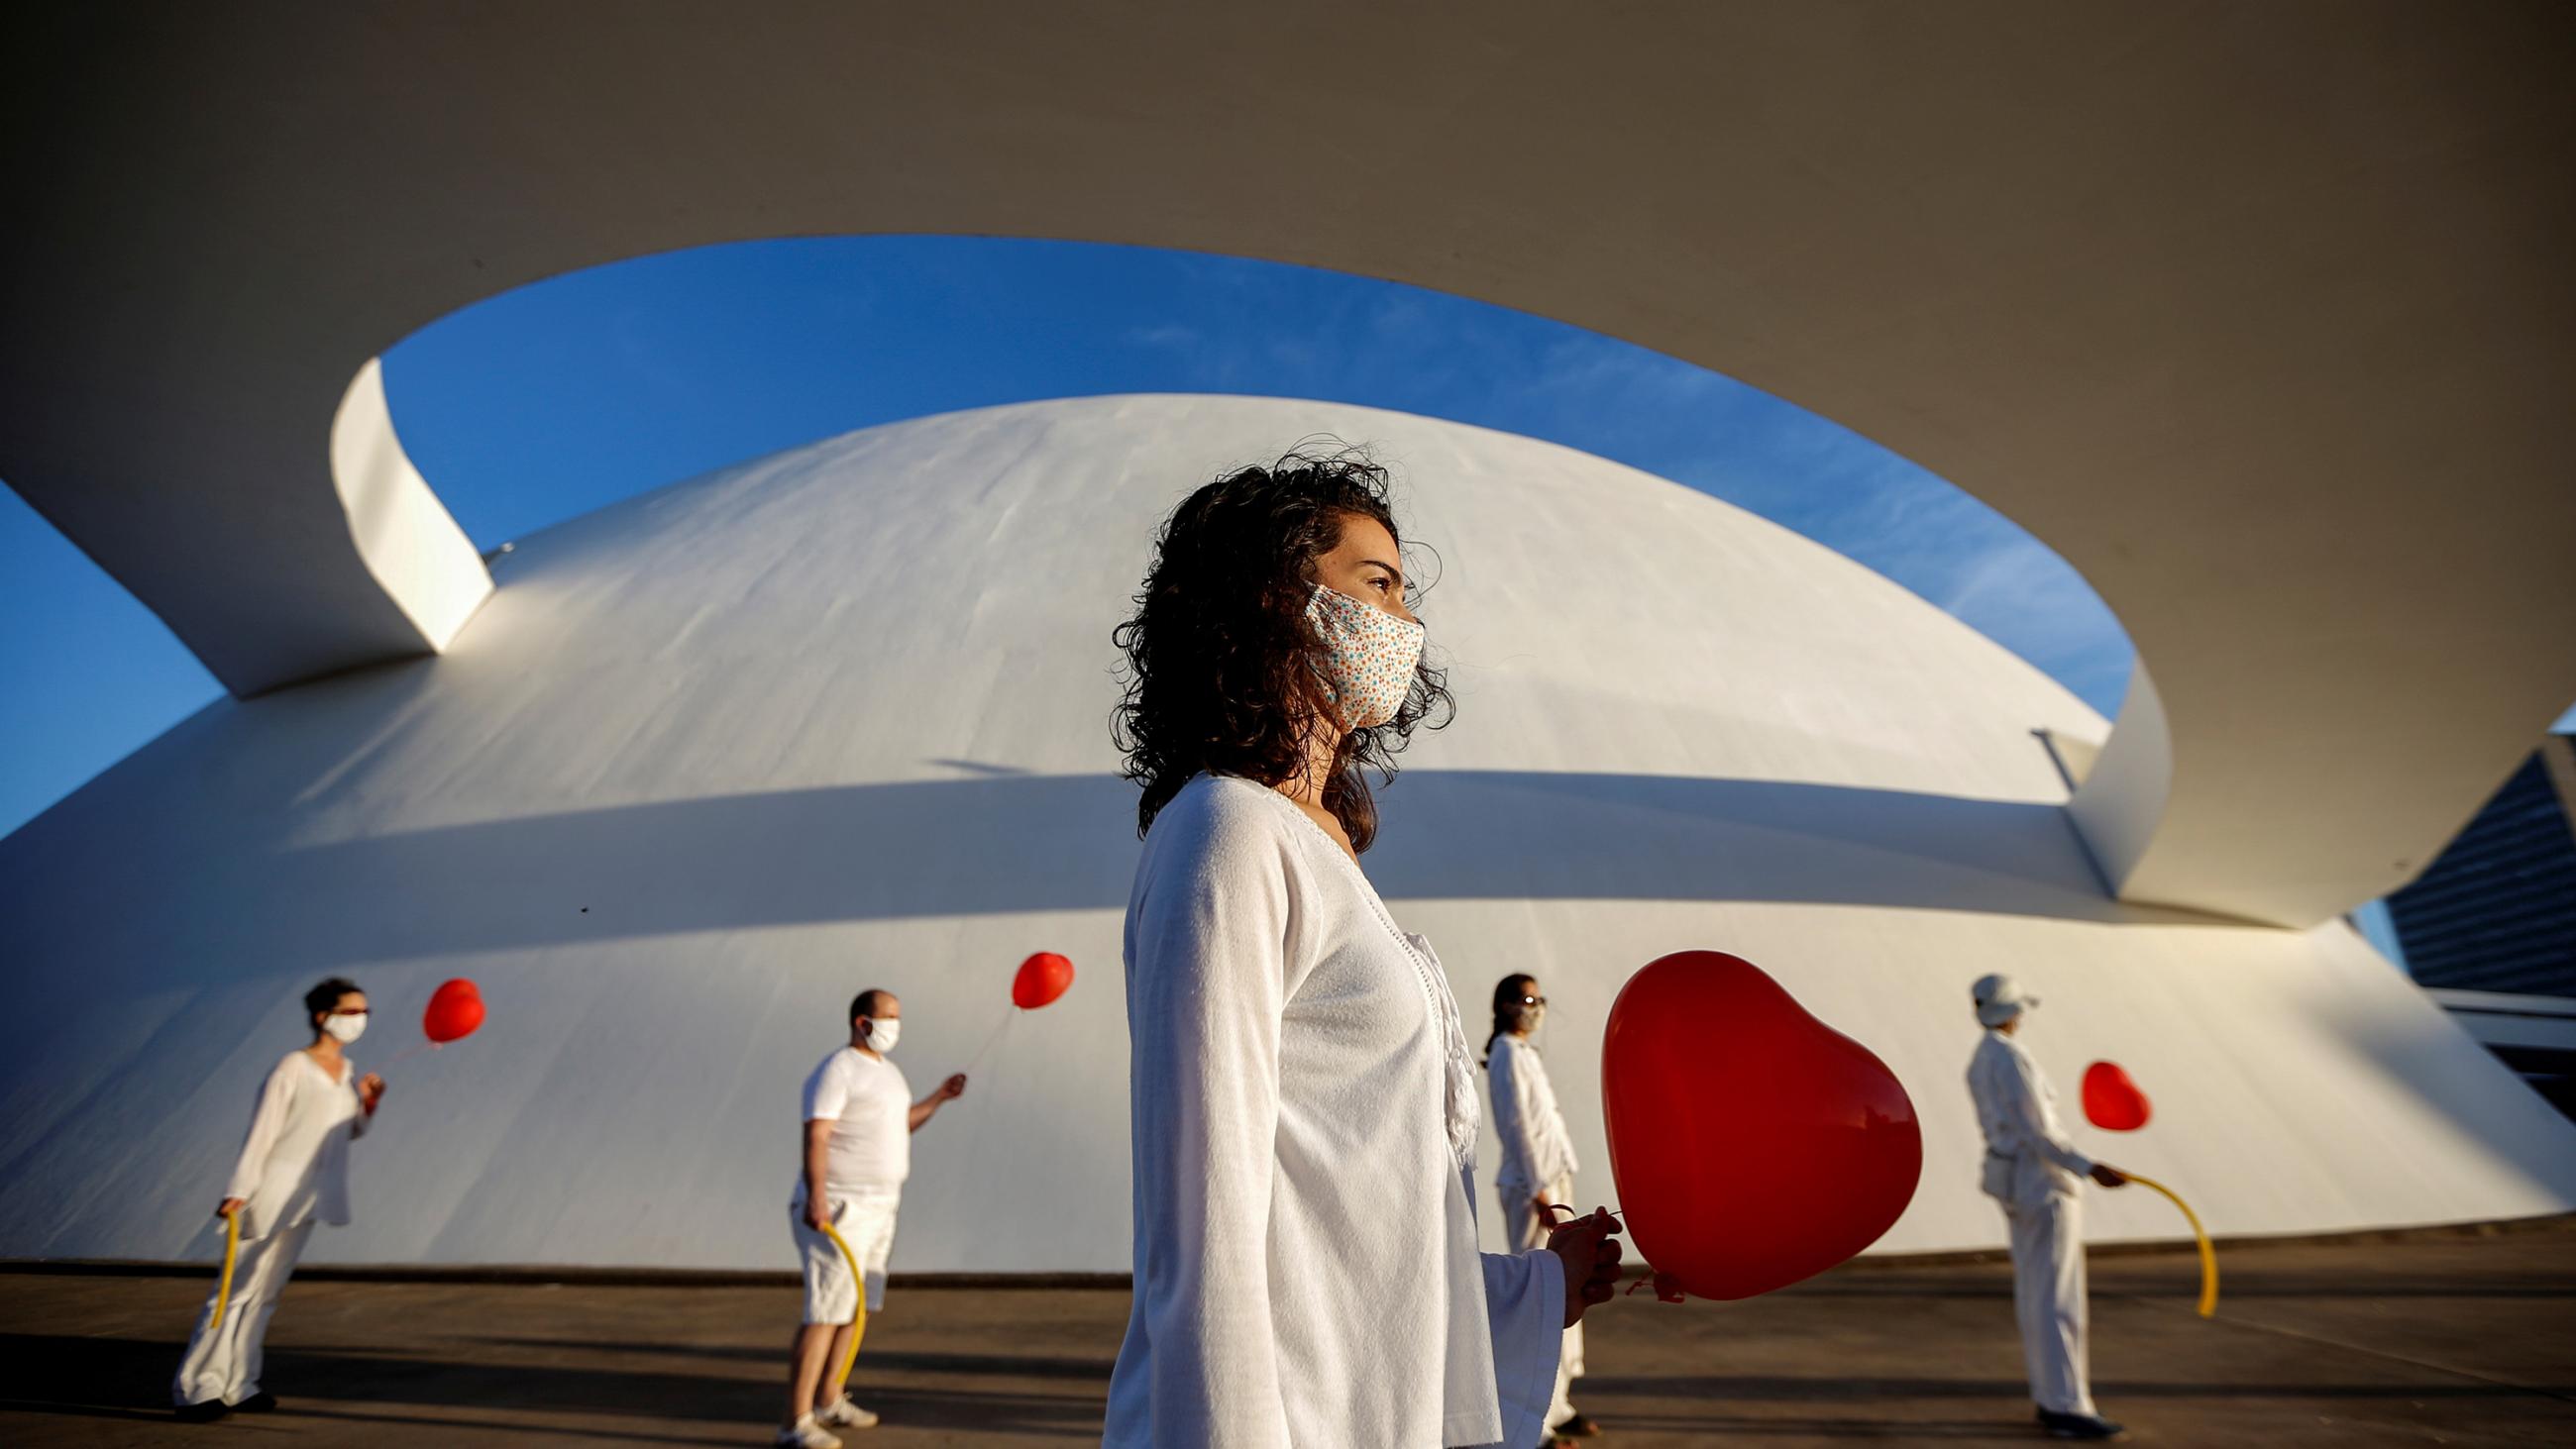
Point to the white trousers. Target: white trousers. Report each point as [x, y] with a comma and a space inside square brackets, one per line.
[2048, 1299]
[224, 1364]
[1523, 1226]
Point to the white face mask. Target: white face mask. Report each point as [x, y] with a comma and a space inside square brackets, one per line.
[1369, 656]
[882, 1034]
[345, 1027]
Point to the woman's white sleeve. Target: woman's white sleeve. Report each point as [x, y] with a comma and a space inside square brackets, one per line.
[2038, 1124]
[1525, 1309]
[1205, 1000]
[267, 1120]
[1512, 1121]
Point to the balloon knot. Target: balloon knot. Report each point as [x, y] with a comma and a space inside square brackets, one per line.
[1668, 1289]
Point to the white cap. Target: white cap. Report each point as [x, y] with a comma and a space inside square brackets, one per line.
[2000, 999]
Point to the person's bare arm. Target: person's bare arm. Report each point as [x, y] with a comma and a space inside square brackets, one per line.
[927, 1107]
[818, 1152]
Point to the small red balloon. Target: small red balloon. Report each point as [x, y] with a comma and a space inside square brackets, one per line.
[1753, 1145]
[455, 1009]
[1043, 977]
[2113, 1102]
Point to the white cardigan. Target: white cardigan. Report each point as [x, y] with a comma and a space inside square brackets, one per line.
[1305, 1238]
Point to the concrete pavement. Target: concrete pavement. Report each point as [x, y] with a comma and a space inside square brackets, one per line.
[2467, 1341]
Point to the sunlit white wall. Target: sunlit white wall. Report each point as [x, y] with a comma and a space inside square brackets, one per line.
[711, 760]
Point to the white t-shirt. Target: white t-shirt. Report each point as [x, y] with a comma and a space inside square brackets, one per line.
[871, 1106]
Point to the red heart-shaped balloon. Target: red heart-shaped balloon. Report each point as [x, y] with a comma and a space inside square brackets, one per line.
[2113, 1102]
[1753, 1145]
[1041, 979]
[455, 1009]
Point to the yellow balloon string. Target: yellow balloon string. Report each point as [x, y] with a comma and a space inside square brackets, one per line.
[224, 1285]
[859, 1318]
[2208, 1254]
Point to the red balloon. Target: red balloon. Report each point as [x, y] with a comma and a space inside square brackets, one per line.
[1043, 977]
[455, 1009]
[2113, 1102]
[1753, 1145]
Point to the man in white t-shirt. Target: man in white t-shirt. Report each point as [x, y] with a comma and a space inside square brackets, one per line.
[859, 1120]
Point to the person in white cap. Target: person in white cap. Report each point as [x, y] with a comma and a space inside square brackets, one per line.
[2037, 1175]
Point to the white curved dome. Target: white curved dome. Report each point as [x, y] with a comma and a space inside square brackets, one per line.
[713, 759]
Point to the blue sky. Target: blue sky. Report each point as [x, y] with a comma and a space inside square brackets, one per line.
[545, 403]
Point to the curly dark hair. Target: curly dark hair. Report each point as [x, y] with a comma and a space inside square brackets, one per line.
[1220, 673]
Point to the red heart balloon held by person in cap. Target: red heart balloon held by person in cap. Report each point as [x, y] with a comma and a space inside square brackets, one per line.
[1043, 977]
[455, 1010]
[2113, 1102]
[1753, 1145]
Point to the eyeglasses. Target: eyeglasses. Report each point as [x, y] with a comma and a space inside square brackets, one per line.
[361, 1011]
[1533, 1001]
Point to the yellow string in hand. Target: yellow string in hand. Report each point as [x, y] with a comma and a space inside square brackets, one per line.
[224, 1285]
[2208, 1254]
[859, 1316]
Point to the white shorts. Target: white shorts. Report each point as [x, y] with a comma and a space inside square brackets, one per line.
[866, 1223]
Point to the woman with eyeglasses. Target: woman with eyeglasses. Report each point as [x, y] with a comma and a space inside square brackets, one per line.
[1302, 1095]
[293, 1172]
[1537, 1172]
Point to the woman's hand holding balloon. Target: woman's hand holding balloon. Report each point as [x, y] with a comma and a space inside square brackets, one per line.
[953, 1088]
[371, 1090]
[1590, 1252]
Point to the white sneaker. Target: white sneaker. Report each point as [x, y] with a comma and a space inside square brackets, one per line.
[843, 1414]
[806, 1434]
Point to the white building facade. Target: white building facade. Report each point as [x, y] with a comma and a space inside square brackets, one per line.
[711, 760]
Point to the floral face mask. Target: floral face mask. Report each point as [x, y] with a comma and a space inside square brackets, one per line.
[1369, 656]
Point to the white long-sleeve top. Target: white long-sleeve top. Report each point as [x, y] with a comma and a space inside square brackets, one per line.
[1537, 1149]
[294, 1164]
[1306, 1269]
[2027, 1157]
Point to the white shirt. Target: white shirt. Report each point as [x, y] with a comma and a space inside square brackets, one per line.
[294, 1164]
[1537, 1150]
[869, 1105]
[1306, 1270]
[2027, 1157]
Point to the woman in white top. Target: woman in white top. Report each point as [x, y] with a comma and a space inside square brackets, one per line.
[293, 1172]
[1537, 1172]
[1302, 1100]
